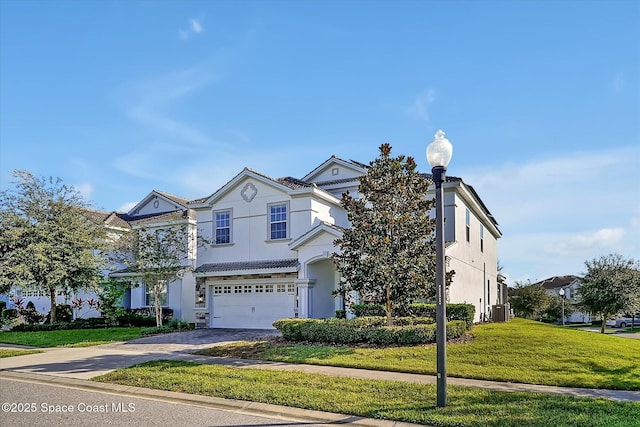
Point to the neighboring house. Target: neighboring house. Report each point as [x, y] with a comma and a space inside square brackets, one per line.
[270, 243]
[156, 210]
[571, 286]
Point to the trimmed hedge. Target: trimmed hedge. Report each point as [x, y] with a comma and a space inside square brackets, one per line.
[464, 312]
[364, 330]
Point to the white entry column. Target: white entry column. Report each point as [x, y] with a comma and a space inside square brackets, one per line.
[305, 297]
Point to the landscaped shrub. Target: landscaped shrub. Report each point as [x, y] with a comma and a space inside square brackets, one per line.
[3, 305]
[172, 325]
[63, 314]
[364, 330]
[10, 314]
[132, 318]
[464, 312]
[341, 314]
[30, 314]
[365, 310]
[167, 313]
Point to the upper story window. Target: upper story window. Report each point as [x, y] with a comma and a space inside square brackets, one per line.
[223, 227]
[278, 220]
[468, 225]
[481, 238]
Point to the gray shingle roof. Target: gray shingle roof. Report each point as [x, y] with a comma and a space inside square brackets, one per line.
[247, 265]
[176, 199]
[557, 281]
[294, 183]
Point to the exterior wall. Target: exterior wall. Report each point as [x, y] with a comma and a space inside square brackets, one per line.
[155, 205]
[476, 278]
[250, 223]
[42, 302]
[249, 226]
[329, 173]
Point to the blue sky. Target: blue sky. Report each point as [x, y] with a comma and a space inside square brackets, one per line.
[541, 101]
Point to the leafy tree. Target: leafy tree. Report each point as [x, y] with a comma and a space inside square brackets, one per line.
[610, 286]
[156, 255]
[553, 311]
[388, 253]
[529, 300]
[110, 298]
[46, 240]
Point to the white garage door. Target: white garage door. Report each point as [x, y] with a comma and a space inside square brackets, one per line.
[254, 306]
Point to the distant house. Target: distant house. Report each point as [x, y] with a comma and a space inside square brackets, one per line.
[571, 286]
[270, 243]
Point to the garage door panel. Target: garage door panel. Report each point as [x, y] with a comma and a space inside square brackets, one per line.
[256, 311]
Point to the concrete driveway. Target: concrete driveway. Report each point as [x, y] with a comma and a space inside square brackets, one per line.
[88, 362]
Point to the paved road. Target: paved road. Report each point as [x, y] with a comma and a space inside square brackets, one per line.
[51, 405]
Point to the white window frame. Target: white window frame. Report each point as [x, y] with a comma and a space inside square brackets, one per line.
[216, 228]
[286, 220]
[149, 298]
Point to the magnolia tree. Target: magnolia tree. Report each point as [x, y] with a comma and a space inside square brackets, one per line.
[47, 242]
[388, 253]
[610, 286]
[156, 255]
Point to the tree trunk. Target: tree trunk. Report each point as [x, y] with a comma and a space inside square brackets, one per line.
[604, 323]
[389, 306]
[158, 306]
[53, 313]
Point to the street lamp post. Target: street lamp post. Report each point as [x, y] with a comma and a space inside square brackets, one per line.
[439, 153]
[562, 292]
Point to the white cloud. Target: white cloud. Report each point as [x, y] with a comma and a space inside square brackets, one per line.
[126, 207]
[421, 105]
[556, 213]
[85, 190]
[194, 27]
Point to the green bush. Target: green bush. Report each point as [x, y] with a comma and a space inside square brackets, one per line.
[172, 325]
[464, 312]
[371, 330]
[3, 305]
[64, 314]
[367, 310]
[341, 314]
[132, 318]
[30, 314]
[10, 313]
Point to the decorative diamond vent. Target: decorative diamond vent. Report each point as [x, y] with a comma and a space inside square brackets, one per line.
[249, 192]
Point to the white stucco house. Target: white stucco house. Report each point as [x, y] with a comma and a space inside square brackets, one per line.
[571, 286]
[272, 241]
[269, 246]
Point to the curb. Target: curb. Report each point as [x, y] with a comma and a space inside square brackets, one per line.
[229, 405]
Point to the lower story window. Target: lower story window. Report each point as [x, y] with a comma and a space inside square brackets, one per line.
[150, 295]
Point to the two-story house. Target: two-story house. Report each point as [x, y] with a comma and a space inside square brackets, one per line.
[571, 286]
[272, 240]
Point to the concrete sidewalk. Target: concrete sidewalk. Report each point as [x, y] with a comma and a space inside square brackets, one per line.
[88, 362]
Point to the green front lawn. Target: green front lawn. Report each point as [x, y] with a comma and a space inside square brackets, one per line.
[10, 352]
[70, 337]
[378, 399]
[517, 351]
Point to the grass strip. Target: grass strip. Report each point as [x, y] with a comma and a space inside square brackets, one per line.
[70, 337]
[10, 352]
[517, 351]
[391, 400]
